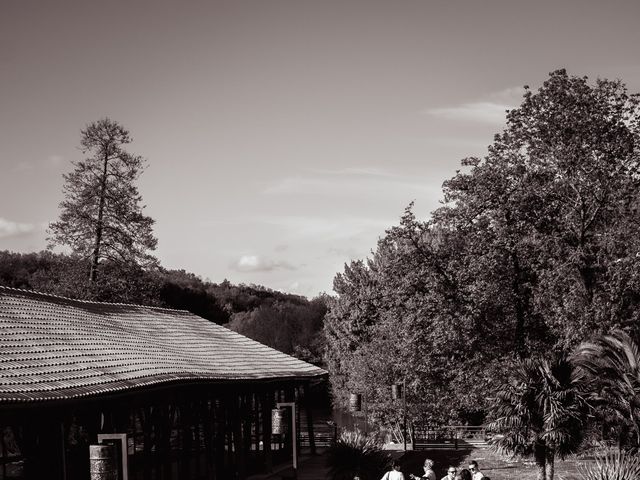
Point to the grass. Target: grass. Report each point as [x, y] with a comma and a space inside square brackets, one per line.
[491, 464]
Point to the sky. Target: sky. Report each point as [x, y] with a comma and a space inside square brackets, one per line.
[282, 136]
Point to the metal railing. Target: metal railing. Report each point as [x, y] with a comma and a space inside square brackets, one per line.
[450, 436]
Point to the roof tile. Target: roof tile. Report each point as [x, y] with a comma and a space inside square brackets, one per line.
[54, 348]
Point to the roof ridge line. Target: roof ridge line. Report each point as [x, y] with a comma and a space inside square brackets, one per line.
[53, 295]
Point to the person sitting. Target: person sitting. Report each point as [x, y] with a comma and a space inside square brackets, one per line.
[451, 473]
[429, 474]
[394, 473]
[465, 474]
[475, 470]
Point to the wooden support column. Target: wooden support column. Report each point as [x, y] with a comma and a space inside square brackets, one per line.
[289, 396]
[158, 428]
[164, 442]
[147, 427]
[246, 414]
[187, 443]
[309, 415]
[219, 438]
[209, 437]
[266, 406]
[197, 429]
[240, 459]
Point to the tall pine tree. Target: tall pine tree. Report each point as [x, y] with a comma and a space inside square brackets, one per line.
[101, 217]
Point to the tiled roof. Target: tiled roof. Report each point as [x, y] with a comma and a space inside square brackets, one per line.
[55, 348]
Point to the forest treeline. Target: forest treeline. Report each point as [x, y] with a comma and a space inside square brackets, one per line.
[287, 322]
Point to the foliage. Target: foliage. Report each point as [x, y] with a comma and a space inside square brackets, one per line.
[533, 249]
[65, 275]
[616, 466]
[101, 215]
[612, 362]
[541, 412]
[183, 290]
[356, 454]
[286, 322]
[292, 328]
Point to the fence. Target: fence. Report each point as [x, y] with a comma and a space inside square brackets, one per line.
[449, 436]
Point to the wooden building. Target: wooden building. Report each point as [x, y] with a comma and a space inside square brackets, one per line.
[194, 398]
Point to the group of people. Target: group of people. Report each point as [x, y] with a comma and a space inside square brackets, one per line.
[472, 473]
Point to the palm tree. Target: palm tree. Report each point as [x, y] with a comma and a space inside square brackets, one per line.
[540, 413]
[612, 363]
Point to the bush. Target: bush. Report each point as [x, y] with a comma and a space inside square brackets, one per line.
[357, 454]
[618, 466]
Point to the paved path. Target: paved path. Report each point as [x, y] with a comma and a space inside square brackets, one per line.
[310, 467]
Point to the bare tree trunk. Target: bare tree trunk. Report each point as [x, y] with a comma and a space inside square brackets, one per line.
[93, 273]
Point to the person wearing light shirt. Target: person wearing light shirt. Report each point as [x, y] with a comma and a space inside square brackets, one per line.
[394, 473]
[429, 474]
[477, 474]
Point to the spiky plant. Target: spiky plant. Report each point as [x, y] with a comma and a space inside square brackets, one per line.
[357, 454]
[617, 466]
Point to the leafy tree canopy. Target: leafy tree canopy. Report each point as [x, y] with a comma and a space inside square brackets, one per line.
[534, 249]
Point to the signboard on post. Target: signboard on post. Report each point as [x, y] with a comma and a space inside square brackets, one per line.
[119, 441]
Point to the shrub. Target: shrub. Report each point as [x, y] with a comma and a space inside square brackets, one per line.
[357, 454]
[618, 466]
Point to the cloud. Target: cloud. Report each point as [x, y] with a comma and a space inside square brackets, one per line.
[484, 112]
[13, 229]
[334, 228]
[351, 182]
[254, 263]
[489, 110]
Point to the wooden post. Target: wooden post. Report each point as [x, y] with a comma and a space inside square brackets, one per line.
[238, 444]
[187, 444]
[309, 415]
[147, 426]
[219, 436]
[197, 425]
[265, 410]
[247, 423]
[209, 428]
[165, 441]
[4, 456]
[63, 450]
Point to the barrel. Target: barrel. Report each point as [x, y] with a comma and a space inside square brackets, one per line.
[103, 463]
[277, 421]
[355, 402]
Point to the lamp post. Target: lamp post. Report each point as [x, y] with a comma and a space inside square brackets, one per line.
[294, 440]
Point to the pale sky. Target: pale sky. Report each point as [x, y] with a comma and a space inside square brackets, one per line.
[283, 136]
